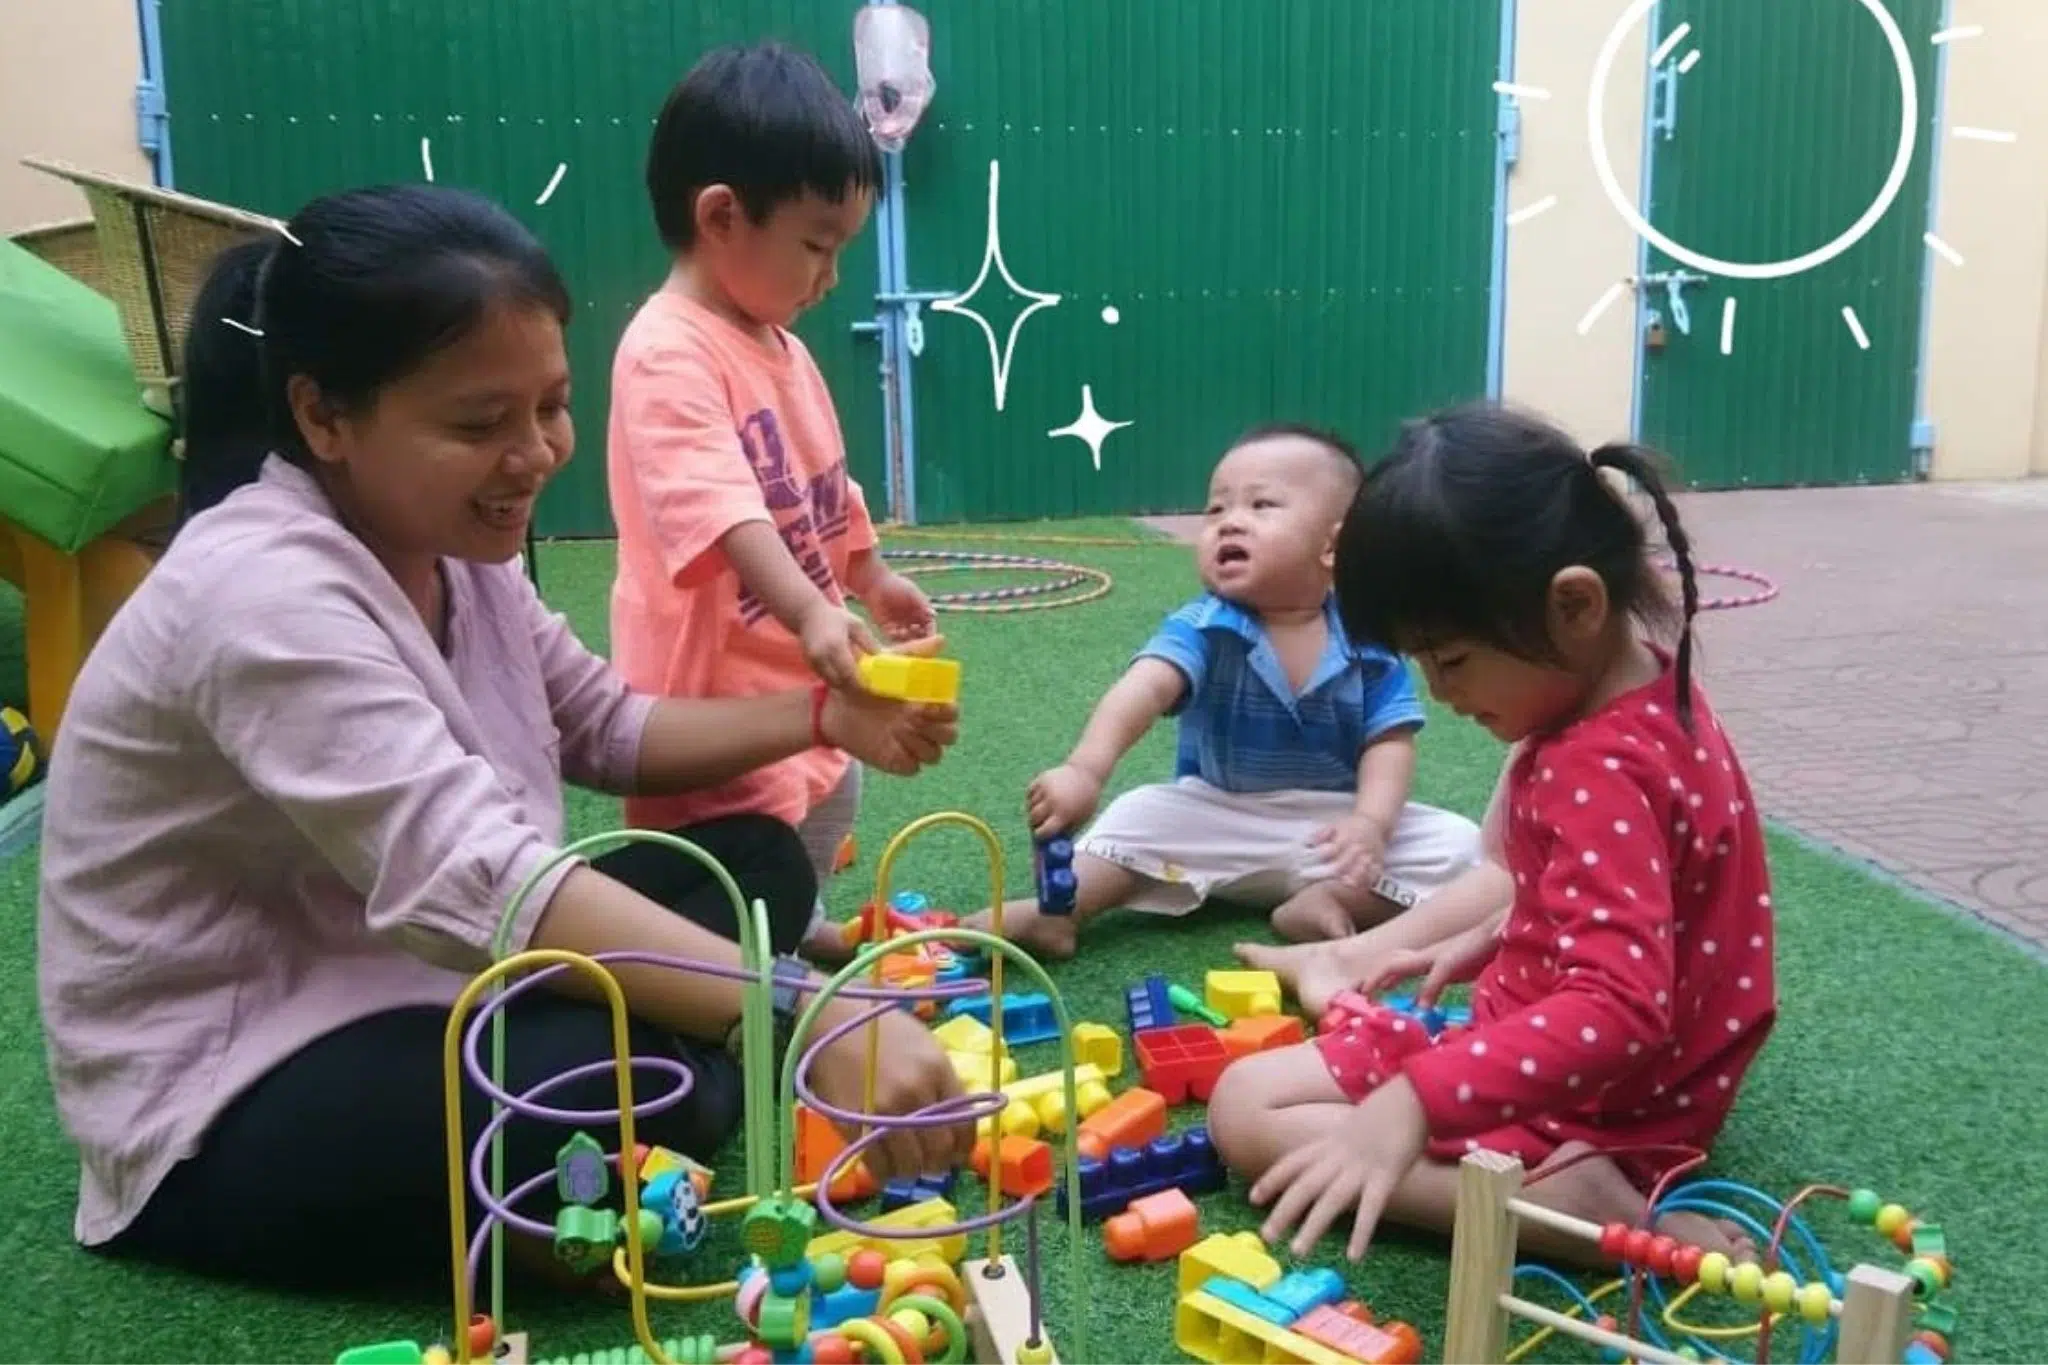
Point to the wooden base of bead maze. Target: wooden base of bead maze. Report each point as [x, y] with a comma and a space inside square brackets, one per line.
[1000, 1314]
[1876, 1309]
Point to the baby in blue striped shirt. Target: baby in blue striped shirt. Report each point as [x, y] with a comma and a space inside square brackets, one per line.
[1296, 752]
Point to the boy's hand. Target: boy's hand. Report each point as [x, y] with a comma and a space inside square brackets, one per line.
[1354, 850]
[1061, 800]
[900, 607]
[833, 639]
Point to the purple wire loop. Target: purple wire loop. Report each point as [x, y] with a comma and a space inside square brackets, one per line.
[523, 1103]
[853, 1152]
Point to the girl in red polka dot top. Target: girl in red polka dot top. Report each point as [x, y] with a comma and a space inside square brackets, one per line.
[1619, 935]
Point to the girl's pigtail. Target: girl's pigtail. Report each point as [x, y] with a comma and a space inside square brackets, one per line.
[1638, 466]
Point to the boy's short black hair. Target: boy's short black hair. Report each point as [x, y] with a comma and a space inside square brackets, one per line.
[765, 120]
[1339, 449]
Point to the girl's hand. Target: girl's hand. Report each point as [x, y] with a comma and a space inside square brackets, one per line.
[1458, 958]
[1061, 800]
[834, 639]
[900, 606]
[911, 1074]
[1354, 850]
[1356, 1165]
[897, 737]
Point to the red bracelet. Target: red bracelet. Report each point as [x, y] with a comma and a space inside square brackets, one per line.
[819, 691]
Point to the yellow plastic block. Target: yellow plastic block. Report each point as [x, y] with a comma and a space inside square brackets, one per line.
[1101, 1046]
[1209, 1329]
[1242, 995]
[1233, 1255]
[926, 1213]
[972, 1069]
[965, 1033]
[1039, 1103]
[909, 678]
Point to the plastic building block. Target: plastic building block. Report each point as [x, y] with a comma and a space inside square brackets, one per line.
[1157, 1227]
[1300, 1291]
[1039, 1103]
[973, 1070]
[1242, 995]
[906, 677]
[817, 1142]
[932, 1213]
[1261, 1034]
[965, 1033]
[1026, 1018]
[902, 1193]
[1243, 1296]
[1100, 1046]
[1132, 1119]
[1187, 1002]
[1052, 862]
[1208, 1328]
[1149, 1004]
[1232, 1255]
[1376, 1343]
[1023, 1166]
[1186, 1161]
[843, 1304]
[1181, 1061]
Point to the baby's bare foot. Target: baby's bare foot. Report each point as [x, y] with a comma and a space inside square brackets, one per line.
[1052, 937]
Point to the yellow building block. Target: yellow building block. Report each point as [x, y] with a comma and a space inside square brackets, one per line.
[972, 1069]
[926, 1213]
[1209, 1329]
[1242, 995]
[909, 678]
[965, 1033]
[1233, 1255]
[1101, 1046]
[1039, 1103]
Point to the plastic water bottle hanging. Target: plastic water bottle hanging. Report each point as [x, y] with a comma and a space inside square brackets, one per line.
[892, 49]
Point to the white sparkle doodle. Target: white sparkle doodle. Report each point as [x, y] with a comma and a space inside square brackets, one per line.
[561, 169]
[243, 327]
[1091, 427]
[992, 258]
[427, 158]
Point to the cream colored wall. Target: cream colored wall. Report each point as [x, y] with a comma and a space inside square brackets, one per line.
[1987, 372]
[67, 90]
[1987, 378]
[1563, 260]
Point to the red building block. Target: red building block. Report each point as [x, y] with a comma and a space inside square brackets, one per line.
[1261, 1033]
[1132, 1119]
[1157, 1227]
[1181, 1061]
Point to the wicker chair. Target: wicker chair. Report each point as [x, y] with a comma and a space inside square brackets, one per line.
[154, 248]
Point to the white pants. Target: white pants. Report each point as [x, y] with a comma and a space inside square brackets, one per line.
[826, 828]
[1189, 841]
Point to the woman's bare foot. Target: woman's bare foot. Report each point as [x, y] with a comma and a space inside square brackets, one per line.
[1314, 972]
[1052, 937]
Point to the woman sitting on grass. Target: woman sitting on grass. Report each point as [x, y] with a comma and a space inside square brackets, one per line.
[314, 757]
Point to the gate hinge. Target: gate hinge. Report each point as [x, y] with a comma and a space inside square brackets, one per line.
[152, 116]
[1922, 444]
[1509, 129]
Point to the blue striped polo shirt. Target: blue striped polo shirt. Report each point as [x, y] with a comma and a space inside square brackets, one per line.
[1243, 728]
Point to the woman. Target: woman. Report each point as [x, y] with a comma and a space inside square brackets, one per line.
[309, 764]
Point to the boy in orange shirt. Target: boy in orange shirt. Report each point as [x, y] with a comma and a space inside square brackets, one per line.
[741, 534]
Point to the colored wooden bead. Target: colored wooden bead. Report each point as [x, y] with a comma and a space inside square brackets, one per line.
[1637, 1248]
[1714, 1272]
[1685, 1264]
[1613, 1238]
[1902, 1236]
[1927, 1274]
[1891, 1218]
[1815, 1303]
[1746, 1282]
[1779, 1289]
[1863, 1205]
[1935, 1342]
[483, 1334]
[1663, 1250]
[830, 1348]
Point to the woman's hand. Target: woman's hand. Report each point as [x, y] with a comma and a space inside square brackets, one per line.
[1356, 1165]
[894, 736]
[911, 1073]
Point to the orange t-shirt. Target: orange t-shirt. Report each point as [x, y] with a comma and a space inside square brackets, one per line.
[712, 427]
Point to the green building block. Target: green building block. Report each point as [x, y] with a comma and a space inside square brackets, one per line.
[383, 1353]
[1928, 1240]
[1187, 1002]
[584, 1237]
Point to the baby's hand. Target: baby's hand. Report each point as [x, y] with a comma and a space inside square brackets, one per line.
[833, 639]
[1354, 850]
[1061, 800]
[900, 606]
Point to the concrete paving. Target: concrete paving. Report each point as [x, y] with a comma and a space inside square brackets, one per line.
[1892, 702]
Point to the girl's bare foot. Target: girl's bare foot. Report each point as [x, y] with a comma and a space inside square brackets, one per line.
[1606, 1196]
[1052, 937]
[1314, 972]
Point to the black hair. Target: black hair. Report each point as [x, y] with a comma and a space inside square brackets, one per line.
[357, 291]
[765, 120]
[1458, 531]
[1331, 442]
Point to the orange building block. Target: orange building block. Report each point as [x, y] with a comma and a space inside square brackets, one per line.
[1157, 1227]
[817, 1142]
[1132, 1119]
[1375, 1343]
[1261, 1033]
[1023, 1166]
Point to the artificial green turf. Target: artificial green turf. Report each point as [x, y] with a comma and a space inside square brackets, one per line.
[1910, 1053]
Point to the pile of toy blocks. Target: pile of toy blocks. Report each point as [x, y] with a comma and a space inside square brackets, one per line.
[1233, 1303]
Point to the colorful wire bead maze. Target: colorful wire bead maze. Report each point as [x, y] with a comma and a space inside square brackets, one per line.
[1869, 1315]
[800, 1297]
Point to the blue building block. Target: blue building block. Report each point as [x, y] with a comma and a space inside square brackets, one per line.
[1053, 861]
[1301, 1291]
[1148, 1004]
[910, 902]
[1186, 1160]
[1435, 1019]
[1026, 1018]
[1238, 1294]
[842, 1305]
[1920, 1353]
[899, 1193]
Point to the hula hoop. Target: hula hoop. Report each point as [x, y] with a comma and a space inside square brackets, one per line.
[1768, 589]
[1085, 584]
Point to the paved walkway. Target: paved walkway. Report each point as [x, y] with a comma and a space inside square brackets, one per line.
[1893, 701]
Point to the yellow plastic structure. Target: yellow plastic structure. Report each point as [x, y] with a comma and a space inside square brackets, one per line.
[1242, 995]
[906, 677]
